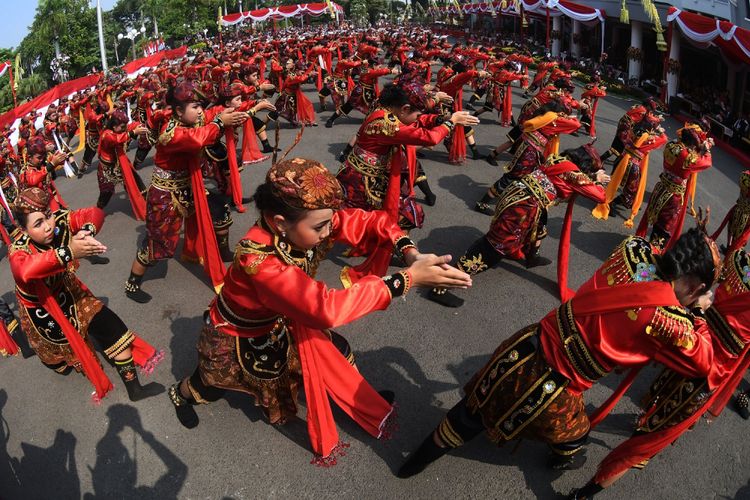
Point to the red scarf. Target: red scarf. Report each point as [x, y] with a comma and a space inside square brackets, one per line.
[250, 151]
[563, 249]
[235, 184]
[200, 238]
[305, 111]
[457, 153]
[8, 346]
[326, 373]
[137, 202]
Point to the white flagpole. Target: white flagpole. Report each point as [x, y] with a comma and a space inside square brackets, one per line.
[103, 52]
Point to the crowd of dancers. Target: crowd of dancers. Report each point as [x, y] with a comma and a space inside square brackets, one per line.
[664, 295]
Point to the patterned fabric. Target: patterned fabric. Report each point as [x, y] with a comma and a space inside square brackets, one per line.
[303, 183]
[286, 107]
[670, 400]
[168, 201]
[266, 367]
[45, 335]
[364, 178]
[519, 222]
[665, 204]
[108, 175]
[518, 395]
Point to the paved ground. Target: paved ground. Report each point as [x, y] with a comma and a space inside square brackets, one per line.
[58, 445]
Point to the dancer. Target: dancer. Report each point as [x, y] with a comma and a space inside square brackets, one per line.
[58, 313]
[636, 308]
[684, 157]
[268, 330]
[520, 221]
[674, 403]
[177, 191]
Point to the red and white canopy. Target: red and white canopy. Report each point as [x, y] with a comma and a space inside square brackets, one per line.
[553, 8]
[282, 12]
[732, 40]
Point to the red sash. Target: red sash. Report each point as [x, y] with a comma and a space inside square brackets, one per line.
[137, 202]
[326, 373]
[200, 238]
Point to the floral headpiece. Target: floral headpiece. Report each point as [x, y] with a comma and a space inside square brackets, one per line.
[303, 183]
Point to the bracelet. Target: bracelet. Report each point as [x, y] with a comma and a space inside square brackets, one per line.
[402, 244]
[407, 280]
[218, 122]
[398, 284]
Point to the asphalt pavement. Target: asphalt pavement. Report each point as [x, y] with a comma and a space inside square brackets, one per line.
[54, 443]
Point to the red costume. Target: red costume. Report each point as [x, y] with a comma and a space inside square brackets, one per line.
[676, 402]
[177, 195]
[372, 174]
[58, 313]
[667, 206]
[115, 167]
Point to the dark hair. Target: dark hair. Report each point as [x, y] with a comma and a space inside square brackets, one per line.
[641, 128]
[458, 67]
[21, 218]
[554, 106]
[393, 96]
[270, 204]
[690, 139]
[690, 256]
[581, 158]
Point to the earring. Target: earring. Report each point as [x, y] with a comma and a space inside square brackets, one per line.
[283, 234]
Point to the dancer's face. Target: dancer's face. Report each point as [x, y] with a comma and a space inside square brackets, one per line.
[40, 226]
[190, 113]
[36, 159]
[234, 102]
[309, 231]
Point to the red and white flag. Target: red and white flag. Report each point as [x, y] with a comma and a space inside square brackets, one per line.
[4, 67]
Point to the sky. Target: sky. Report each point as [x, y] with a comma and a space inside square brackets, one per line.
[17, 16]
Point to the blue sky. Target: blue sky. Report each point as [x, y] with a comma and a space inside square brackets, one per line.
[18, 16]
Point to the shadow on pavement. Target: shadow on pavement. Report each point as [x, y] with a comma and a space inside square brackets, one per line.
[395, 369]
[20, 478]
[453, 240]
[115, 474]
[464, 188]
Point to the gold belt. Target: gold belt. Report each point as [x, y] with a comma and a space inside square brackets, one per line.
[671, 185]
[365, 169]
[170, 184]
[575, 347]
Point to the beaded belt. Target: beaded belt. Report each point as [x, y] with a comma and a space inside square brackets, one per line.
[367, 163]
[574, 346]
[167, 180]
[724, 332]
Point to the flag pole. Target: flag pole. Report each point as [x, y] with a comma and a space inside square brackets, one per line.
[102, 50]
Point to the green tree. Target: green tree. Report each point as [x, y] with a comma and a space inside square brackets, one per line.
[358, 12]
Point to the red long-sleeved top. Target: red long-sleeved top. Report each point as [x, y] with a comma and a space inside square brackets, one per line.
[260, 285]
[29, 261]
[629, 337]
[178, 144]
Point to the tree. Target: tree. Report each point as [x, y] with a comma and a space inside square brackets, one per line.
[358, 12]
